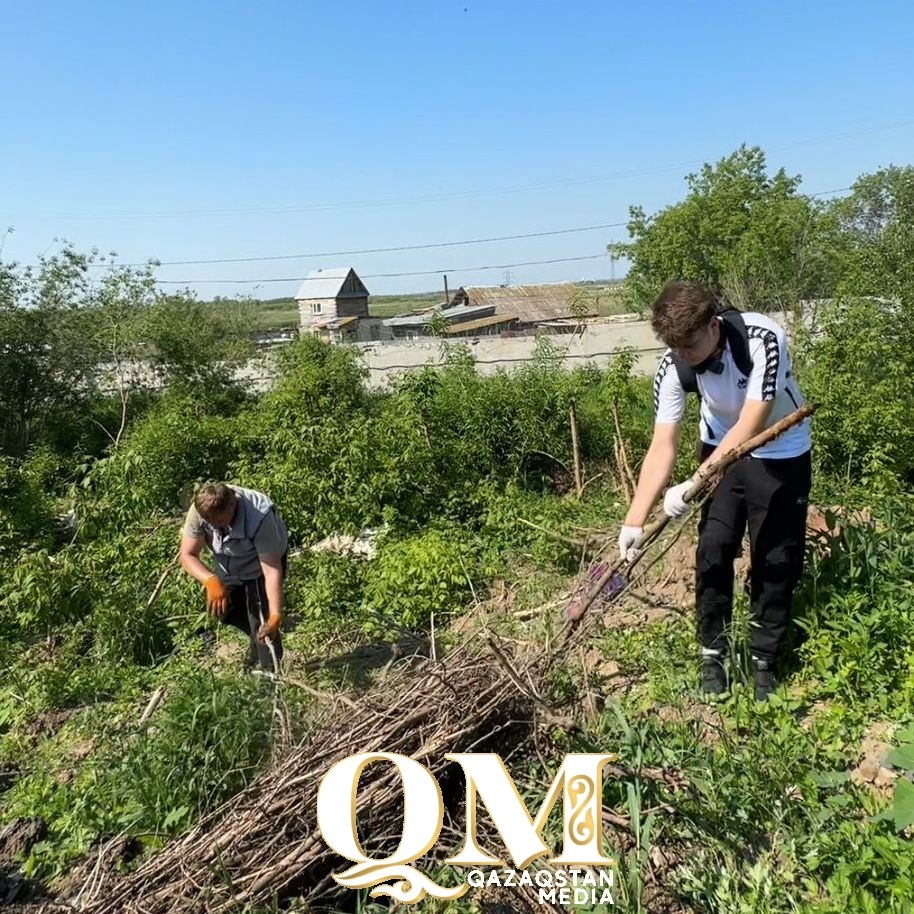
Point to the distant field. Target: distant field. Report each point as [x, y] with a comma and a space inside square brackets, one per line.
[607, 298]
[390, 305]
[281, 313]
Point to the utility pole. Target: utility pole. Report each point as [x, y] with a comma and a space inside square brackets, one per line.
[447, 299]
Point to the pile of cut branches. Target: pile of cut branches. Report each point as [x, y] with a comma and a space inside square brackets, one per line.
[264, 844]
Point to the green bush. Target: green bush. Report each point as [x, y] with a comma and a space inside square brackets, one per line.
[415, 577]
[25, 507]
[207, 741]
[324, 591]
[859, 370]
[181, 442]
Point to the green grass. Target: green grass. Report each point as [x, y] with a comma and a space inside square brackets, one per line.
[607, 298]
[391, 305]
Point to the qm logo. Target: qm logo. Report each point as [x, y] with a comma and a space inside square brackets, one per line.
[579, 782]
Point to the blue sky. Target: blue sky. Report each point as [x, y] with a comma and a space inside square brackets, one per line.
[186, 131]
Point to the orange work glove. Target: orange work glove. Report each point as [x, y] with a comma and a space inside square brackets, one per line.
[269, 629]
[217, 597]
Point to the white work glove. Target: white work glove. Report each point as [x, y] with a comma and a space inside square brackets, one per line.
[673, 504]
[627, 538]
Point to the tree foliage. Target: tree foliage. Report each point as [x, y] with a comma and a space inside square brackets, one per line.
[875, 234]
[746, 234]
[76, 330]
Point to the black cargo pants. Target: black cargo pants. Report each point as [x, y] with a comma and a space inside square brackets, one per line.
[248, 604]
[771, 497]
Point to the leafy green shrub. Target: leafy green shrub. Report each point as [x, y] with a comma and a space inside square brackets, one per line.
[858, 614]
[25, 507]
[125, 570]
[206, 742]
[858, 369]
[46, 589]
[297, 443]
[181, 442]
[335, 458]
[412, 578]
[325, 590]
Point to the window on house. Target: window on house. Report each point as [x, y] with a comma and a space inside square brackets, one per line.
[315, 307]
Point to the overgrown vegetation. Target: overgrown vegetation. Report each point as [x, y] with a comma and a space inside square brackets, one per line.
[446, 467]
[758, 240]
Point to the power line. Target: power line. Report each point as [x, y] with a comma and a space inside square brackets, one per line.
[498, 266]
[825, 193]
[397, 248]
[451, 195]
[387, 250]
[417, 247]
[383, 250]
[366, 204]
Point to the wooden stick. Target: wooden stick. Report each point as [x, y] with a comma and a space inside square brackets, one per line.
[564, 539]
[592, 479]
[513, 674]
[575, 445]
[316, 693]
[625, 467]
[154, 702]
[705, 476]
[163, 577]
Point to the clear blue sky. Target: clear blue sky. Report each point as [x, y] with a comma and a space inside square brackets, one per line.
[328, 126]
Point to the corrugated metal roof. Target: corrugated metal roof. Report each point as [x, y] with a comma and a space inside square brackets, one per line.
[492, 321]
[543, 302]
[420, 319]
[323, 283]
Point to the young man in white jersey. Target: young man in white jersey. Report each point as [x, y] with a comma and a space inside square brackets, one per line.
[739, 365]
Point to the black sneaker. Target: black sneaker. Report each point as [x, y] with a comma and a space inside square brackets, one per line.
[713, 676]
[250, 658]
[765, 680]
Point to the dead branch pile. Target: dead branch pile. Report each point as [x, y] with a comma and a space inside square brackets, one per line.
[263, 844]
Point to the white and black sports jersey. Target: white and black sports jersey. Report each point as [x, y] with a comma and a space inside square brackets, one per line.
[723, 395]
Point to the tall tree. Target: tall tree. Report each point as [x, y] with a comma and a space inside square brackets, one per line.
[875, 223]
[749, 236]
[44, 359]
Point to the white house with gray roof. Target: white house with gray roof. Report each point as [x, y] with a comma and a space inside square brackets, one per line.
[330, 297]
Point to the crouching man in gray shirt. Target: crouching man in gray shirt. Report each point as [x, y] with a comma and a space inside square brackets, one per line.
[248, 541]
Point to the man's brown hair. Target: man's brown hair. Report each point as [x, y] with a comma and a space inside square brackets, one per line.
[213, 499]
[682, 308]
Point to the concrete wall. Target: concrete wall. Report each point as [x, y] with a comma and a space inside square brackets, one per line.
[596, 344]
[388, 358]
